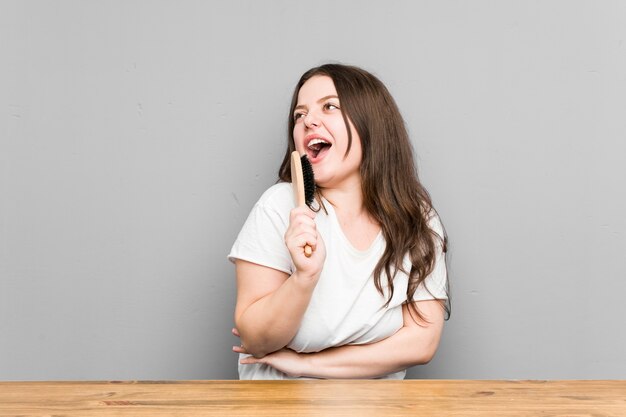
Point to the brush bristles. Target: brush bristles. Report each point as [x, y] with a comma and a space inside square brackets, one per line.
[309, 180]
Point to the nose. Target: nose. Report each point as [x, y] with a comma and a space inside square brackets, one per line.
[311, 120]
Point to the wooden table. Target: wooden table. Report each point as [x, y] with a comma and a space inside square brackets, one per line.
[315, 398]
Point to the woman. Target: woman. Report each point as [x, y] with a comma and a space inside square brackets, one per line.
[371, 300]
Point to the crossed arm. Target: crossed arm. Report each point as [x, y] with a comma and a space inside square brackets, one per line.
[270, 306]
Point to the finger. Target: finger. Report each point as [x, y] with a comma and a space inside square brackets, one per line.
[299, 237]
[249, 360]
[304, 210]
[300, 233]
[239, 349]
[302, 223]
[311, 243]
[305, 239]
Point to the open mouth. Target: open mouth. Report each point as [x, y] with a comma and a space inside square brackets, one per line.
[317, 147]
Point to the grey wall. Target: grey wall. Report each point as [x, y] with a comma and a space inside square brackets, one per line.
[136, 135]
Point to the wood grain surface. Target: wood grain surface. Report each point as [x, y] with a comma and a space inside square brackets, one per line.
[315, 398]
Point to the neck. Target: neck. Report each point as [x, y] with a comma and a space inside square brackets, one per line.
[346, 199]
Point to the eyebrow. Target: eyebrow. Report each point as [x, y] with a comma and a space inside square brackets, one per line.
[302, 106]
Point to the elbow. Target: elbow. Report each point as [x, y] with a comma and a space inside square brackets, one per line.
[257, 341]
[253, 344]
[429, 351]
[427, 356]
[424, 351]
[256, 351]
[422, 357]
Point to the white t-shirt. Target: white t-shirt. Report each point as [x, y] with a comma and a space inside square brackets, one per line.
[346, 307]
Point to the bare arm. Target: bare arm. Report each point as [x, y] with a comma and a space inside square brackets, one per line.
[413, 344]
[270, 306]
[270, 303]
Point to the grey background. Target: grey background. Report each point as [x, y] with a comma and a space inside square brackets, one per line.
[135, 136]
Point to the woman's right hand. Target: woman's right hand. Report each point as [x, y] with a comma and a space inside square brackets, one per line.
[301, 232]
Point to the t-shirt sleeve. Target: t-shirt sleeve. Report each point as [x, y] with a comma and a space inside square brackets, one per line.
[435, 286]
[261, 240]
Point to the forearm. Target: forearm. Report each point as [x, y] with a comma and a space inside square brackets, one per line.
[271, 322]
[398, 352]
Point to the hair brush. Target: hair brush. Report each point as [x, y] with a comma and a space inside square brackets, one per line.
[303, 184]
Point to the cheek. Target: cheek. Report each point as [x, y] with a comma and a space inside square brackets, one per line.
[339, 133]
[298, 138]
[297, 133]
[356, 150]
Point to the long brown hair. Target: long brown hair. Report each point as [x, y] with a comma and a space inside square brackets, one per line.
[392, 192]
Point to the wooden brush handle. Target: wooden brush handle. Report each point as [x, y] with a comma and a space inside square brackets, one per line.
[297, 181]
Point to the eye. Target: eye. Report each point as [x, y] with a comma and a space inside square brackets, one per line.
[330, 106]
[298, 115]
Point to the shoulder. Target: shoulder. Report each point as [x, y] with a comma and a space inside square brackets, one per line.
[438, 231]
[434, 222]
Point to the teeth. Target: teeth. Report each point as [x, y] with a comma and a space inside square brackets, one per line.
[316, 142]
